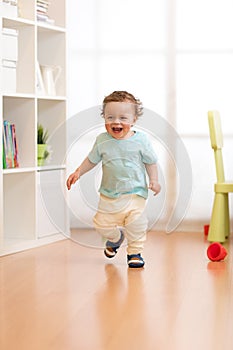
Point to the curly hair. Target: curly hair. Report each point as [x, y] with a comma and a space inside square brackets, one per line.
[123, 96]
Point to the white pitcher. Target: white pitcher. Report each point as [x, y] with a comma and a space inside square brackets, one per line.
[50, 74]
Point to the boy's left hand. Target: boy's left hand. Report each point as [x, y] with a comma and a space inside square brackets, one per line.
[155, 187]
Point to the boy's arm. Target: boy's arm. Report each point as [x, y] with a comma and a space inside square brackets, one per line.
[81, 170]
[152, 172]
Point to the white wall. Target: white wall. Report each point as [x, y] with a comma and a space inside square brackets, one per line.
[179, 69]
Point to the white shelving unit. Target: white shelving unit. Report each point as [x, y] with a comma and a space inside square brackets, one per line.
[32, 203]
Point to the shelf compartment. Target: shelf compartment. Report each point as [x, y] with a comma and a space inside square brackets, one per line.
[58, 13]
[26, 9]
[19, 202]
[51, 218]
[48, 39]
[52, 115]
[25, 65]
[21, 112]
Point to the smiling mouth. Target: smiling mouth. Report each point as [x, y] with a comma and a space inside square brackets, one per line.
[117, 129]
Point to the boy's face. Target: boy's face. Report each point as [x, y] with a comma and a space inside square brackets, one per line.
[119, 117]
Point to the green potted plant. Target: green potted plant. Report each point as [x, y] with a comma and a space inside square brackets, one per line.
[42, 137]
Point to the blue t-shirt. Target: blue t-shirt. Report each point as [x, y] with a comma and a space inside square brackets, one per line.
[123, 163]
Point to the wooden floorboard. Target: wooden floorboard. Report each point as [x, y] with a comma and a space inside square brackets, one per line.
[68, 296]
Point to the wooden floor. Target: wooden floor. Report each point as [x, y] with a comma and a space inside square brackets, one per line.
[65, 296]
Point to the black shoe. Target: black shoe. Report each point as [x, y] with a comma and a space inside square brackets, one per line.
[135, 261]
[112, 247]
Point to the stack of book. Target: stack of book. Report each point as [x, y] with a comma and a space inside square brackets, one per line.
[42, 7]
[11, 2]
[8, 8]
[10, 148]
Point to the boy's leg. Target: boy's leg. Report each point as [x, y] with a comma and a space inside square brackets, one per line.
[136, 239]
[106, 228]
[129, 212]
[112, 235]
[135, 232]
[107, 221]
[136, 225]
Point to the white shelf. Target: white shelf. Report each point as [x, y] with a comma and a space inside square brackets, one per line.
[51, 167]
[17, 170]
[18, 95]
[13, 22]
[35, 96]
[25, 220]
[47, 97]
[38, 168]
[45, 26]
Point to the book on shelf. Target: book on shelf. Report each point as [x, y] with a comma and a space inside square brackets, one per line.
[10, 146]
[45, 19]
[42, 7]
[43, 2]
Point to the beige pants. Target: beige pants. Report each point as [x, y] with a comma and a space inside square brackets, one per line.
[128, 211]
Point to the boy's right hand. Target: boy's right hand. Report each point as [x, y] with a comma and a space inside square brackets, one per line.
[72, 179]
